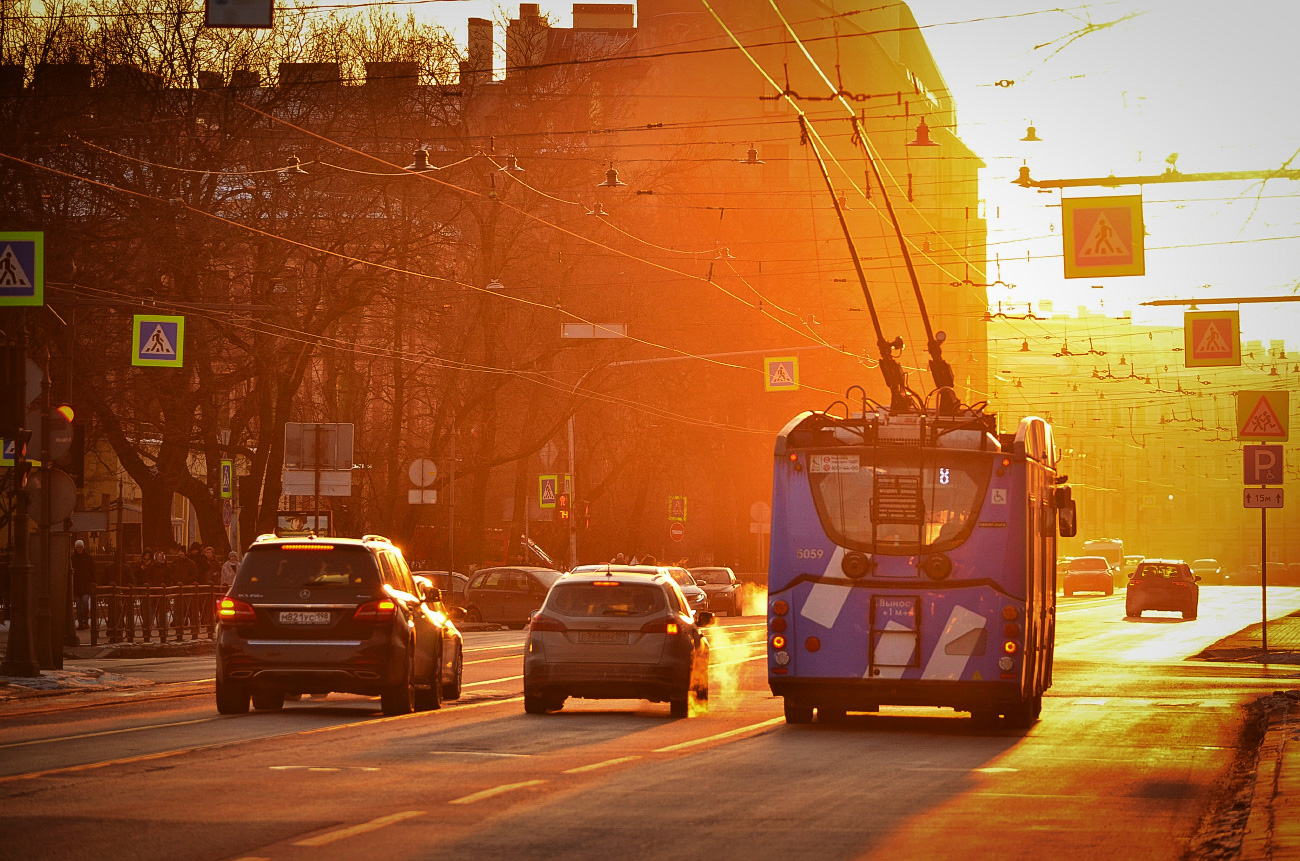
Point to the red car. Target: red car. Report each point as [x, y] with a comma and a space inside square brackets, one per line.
[1089, 574]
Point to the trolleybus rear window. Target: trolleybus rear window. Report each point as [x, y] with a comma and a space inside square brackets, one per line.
[899, 502]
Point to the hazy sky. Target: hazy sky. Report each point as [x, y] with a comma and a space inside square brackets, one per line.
[1116, 88]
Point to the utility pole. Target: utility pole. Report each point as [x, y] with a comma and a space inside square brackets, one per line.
[19, 655]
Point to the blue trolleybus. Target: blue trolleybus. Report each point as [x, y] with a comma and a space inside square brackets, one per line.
[913, 563]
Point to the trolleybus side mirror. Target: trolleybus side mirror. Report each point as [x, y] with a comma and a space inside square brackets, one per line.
[1067, 521]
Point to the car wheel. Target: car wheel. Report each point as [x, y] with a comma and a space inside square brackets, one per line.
[736, 608]
[797, 712]
[268, 701]
[231, 699]
[399, 699]
[451, 690]
[1132, 610]
[556, 703]
[430, 699]
[1189, 615]
[294, 698]
[1110, 590]
[473, 615]
[535, 705]
[1068, 593]
[1023, 714]
[680, 708]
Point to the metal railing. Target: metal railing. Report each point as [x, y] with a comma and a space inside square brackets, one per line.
[129, 614]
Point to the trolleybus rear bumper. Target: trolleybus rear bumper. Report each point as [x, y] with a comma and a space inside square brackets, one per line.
[870, 694]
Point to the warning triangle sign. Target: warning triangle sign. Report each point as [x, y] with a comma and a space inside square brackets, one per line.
[1263, 421]
[781, 375]
[157, 344]
[1102, 241]
[11, 270]
[1212, 343]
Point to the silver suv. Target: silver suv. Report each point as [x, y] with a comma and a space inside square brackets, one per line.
[616, 632]
[314, 615]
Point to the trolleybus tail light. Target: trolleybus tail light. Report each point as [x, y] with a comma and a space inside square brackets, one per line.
[233, 611]
[778, 642]
[812, 644]
[1010, 647]
[778, 625]
[1011, 629]
[937, 566]
[855, 565]
[1010, 613]
[794, 460]
[780, 608]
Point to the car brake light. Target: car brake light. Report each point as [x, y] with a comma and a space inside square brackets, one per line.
[660, 626]
[232, 611]
[542, 622]
[382, 610]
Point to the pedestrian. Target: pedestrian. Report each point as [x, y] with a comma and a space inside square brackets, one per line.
[83, 582]
[619, 559]
[194, 567]
[214, 566]
[228, 570]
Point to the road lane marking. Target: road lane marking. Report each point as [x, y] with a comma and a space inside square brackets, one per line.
[322, 768]
[762, 656]
[496, 790]
[490, 660]
[353, 830]
[103, 733]
[497, 648]
[492, 681]
[479, 753]
[596, 765]
[755, 727]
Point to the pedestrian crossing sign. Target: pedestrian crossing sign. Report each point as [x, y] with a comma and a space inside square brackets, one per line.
[1212, 338]
[781, 374]
[22, 268]
[1263, 416]
[1103, 236]
[157, 341]
[547, 488]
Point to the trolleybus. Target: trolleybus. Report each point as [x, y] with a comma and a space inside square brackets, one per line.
[913, 562]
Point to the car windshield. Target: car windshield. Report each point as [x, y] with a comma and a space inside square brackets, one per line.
[606, 598]
[1205, 563]
[1161, 571]
[548, 578]
[1088, 564]
[715, 576]
[307, 566]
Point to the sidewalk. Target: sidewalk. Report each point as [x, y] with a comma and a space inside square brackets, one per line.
[1272, 829]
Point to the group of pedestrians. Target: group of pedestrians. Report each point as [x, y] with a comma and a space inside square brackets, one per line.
[197, 567]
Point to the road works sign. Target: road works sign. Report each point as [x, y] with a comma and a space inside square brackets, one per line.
[22, 268]
[1263, 416]
[157, 341]
[1103, 236]
[781, 374]
[1212, 338]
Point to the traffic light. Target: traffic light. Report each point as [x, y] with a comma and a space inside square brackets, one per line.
[22, 466]
[13, 389]
[562, 505]
[586, 514]
[74, 461]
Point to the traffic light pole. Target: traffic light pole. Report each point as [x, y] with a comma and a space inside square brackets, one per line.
[19, 656]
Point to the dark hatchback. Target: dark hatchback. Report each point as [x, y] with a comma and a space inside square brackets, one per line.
[1163, 584]
[507, 596]
[320, 615]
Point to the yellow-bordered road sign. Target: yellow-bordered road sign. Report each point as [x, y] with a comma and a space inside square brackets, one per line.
[1263, 416]
[157, 341]
[1102, 236]
[781, 374]
[22, 268]
[1212, 338]
[547, 489]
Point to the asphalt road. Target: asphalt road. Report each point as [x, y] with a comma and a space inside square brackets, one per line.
[1123, 763]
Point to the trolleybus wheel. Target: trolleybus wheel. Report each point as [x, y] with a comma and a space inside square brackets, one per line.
[798, 713]
[1023, 714]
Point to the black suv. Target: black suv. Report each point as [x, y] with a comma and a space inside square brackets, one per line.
[1163, 584]
[315, 615]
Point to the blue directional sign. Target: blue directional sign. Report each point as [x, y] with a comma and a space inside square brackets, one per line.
[157, 341]
[22, 268]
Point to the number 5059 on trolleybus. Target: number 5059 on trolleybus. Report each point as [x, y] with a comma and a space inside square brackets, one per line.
[913, 563]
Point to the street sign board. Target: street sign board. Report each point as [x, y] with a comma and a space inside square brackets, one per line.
[227, 479]
[324, 445]
[421, 496]
[781, 374]
[677, 509]
[22, 268]
[1263, 497]
[547, 488]
[157, 341]
[60, 441]
[1263, 464]
[1103, 236]
[62, 492]
[423, 472]
[677, 531]
[1212, 338]
[1263, 416]
[303, 482]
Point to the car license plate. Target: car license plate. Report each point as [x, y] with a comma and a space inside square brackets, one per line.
[297, 617]
[603, 637]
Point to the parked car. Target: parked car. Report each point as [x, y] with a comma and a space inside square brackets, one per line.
[1209, 570]
[452, 583]
[725, 592]
[1130, 565]
[612, 633]
[1163, 584]
[1089, 574]
[508, 595]
[316, 615]
[696, 598]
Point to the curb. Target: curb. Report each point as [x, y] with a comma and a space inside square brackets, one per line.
[1271, 832]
